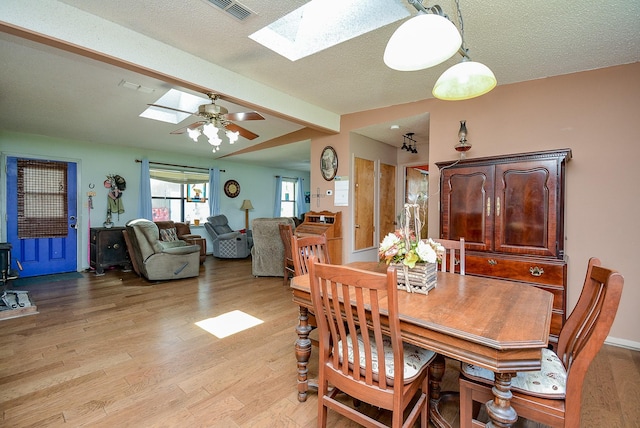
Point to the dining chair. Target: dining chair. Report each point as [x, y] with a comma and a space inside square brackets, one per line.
[286, 232]
[356, 358]
[449, 257]
[553, 395]
[303, 248]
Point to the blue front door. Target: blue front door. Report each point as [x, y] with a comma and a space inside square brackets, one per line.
[42, 216]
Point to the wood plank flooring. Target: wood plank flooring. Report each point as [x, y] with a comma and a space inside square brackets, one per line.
[116, 351]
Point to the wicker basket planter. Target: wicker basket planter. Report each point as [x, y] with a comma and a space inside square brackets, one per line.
[419, 279]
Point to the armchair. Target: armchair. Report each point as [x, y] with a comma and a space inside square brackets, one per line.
[267, 254]
[183, 231]
[161, 260]
[227, 243]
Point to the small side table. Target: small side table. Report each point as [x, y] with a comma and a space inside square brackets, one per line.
[108, 249]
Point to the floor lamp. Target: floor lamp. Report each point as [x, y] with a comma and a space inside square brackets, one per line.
[246, 206]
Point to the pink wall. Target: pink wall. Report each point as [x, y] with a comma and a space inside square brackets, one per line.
[593, 113]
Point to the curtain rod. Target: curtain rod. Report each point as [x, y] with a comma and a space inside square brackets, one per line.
[180, 166]
[290, 178]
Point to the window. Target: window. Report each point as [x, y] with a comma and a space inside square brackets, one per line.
[179, 196]
[288, 198]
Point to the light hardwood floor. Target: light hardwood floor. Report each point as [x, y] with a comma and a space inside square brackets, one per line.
[117, 351]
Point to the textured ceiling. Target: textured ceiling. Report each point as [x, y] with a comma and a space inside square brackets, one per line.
[47, 91]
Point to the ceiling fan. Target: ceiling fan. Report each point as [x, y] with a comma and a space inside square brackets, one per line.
[216, 117]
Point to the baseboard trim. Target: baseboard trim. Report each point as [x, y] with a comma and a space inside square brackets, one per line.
[623, 343]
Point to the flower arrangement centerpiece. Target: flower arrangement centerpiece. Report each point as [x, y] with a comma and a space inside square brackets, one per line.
[415, 258]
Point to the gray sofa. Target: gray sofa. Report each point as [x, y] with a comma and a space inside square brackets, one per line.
[161, 260]
[267, 254]
[228, 243]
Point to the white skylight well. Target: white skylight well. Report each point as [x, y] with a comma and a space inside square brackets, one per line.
[174, 99]
[321, 24]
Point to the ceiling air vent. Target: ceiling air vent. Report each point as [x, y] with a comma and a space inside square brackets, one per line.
[233, 8]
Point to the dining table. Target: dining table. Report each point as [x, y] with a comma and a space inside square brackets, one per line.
[497, 324]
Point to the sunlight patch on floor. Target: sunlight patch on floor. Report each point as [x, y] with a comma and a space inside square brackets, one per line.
[230, 323]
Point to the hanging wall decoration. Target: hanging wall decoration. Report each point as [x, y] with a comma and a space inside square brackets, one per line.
[116, 184]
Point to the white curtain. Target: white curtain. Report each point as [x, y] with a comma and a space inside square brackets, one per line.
[278, 197]
[214, 192]
[301, 206]
[144, 205]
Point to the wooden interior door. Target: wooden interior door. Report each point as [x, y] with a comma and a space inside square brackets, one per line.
[387, 200]
[364, 182]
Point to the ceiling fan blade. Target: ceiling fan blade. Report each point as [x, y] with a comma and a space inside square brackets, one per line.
[192, 126]
[242, 131]
[247, 115]
[170, 108]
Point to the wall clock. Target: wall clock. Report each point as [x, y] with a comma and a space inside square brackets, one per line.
[328, 163]
[231, 188]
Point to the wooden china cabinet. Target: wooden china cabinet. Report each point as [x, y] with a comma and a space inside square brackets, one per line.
[510, 212]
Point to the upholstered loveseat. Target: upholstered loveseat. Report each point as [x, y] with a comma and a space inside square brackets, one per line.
[156, 259]
[267, 254]
[228, 243]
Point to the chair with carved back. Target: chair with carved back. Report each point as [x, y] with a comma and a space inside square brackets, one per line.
[356, 358]
[449, 258]
[286, 232]
[553, 395]
[302, 248]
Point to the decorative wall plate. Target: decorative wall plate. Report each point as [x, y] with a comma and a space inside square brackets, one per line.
[328, 163]
[231, 188]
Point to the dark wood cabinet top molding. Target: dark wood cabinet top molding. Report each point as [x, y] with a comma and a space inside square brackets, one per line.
[562, 154]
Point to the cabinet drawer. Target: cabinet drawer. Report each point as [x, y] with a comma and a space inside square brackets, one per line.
[546, 272]
[557, 320]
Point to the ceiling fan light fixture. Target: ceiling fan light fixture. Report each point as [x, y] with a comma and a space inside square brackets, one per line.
[465, 80]
[424, 41]
[232, 136]
[211, 131]
[194, 133]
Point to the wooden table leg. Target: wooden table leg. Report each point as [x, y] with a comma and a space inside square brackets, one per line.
[303, 352]
[436, 396]
[500, 412]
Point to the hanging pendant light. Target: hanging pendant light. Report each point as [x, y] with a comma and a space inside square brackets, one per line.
[465, 80]
[425, 40]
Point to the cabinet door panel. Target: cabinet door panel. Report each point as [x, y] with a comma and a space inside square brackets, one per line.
[467, 206]
[526, 208]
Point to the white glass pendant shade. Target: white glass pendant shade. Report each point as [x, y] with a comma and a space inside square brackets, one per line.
[467, 79]
[421, 42]
[210, 131]
[233, 136]
[194, 134]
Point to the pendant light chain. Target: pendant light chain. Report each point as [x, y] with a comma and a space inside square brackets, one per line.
[463, 47]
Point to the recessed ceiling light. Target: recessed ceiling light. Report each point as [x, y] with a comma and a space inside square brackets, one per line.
[395, 127]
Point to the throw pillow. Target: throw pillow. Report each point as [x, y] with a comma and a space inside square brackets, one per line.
[168, 234]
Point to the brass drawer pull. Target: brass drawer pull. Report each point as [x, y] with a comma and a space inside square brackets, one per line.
[536, 271]
[116, 246]
[492, 262]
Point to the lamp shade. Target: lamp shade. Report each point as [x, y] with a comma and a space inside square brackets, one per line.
[467, 79]
[421, 42]
[246, 205]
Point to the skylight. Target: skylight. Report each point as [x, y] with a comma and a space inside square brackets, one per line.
[321, 24]
[174, 99]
